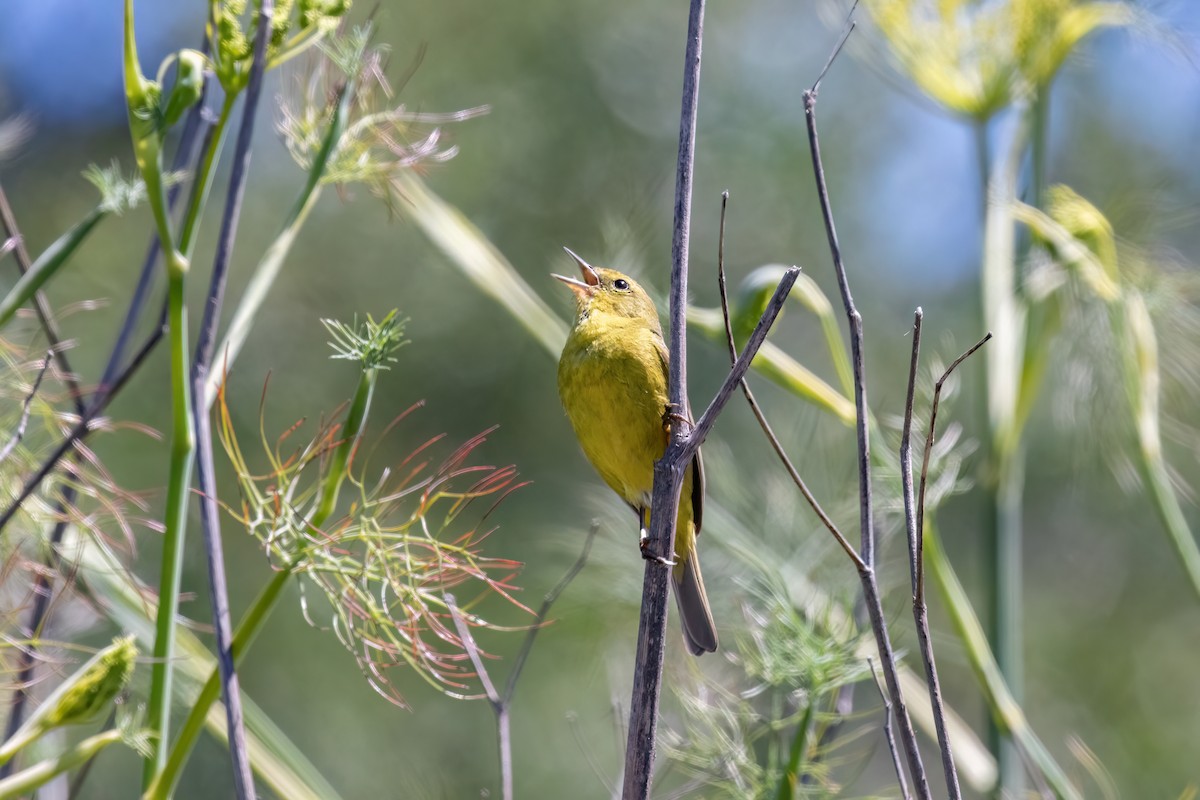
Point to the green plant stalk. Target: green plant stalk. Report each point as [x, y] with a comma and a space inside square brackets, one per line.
[341, 456]
[203, 181]
[1005, 710]
[791, 778]
[147, 139]
[1166, 503]
[24, 782]
[47, 264]
[255, 618]
[1005, 314]
[183, 446]
[147, 147]
[272, 261]
[1139, 342]
[166, 781]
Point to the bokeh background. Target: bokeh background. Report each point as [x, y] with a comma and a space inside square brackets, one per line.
[579, 149]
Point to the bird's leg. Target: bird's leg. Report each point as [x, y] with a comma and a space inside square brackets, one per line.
[644, 541]
[672, 412]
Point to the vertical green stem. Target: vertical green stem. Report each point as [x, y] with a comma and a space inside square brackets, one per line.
[204, 178]
[183, 445]
[252, 623]
[791, 778]
[1007, 607]
[248, 629]
[341, 456]
[1038, 145]
[1005, 314]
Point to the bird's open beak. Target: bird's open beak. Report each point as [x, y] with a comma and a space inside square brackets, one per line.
[583, 289]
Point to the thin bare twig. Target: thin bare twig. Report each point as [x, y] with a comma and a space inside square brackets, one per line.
[549, 600]
[668, 471]
[489, 688]
[866, 572]
[682, 444]
[776, 445]
[210, 515]
[915, 557]
[40, 304]
[887, 731]
[929, 439]
[26, 407]
[502, 703]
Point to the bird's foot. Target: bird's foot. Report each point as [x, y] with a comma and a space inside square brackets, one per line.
[673, 413]
[649, 555]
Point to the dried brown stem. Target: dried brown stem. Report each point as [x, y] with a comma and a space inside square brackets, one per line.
[26, 407]
[502, 703]
[40, 304]
[866, 572]
[915, 557]
[210, 517]
[919, 590]
[887, 731]
[776, 445]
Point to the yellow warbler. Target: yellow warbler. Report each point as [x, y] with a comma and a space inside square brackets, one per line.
[612, 378]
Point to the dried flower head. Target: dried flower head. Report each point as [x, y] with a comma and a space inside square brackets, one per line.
[379, 140]
[414, 532]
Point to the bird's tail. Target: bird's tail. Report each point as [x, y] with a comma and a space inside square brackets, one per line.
[699, 630]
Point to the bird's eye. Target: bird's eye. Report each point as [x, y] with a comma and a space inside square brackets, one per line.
[621, 285]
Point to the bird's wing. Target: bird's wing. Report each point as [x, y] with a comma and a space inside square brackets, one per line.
[697, 461]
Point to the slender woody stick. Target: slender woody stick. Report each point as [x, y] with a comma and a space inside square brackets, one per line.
[668, 471]
[501, 704]
[776, 445]
[887, 731]
[915, 554]
[908, 737]
[26, 407]
[682, 445]
[210, 518]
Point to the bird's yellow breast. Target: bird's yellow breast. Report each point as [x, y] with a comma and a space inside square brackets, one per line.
[613, 385]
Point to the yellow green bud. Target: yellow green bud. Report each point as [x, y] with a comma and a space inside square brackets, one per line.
[189, 85]
[90, 690]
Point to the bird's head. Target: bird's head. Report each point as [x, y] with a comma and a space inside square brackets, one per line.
[607, 292]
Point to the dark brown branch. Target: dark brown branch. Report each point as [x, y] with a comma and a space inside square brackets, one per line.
[776, 445]
[210, 516]
[26, 407]
[668, 471]
[502, 703]
[887, 732]
[866, 572]
[915, 551]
